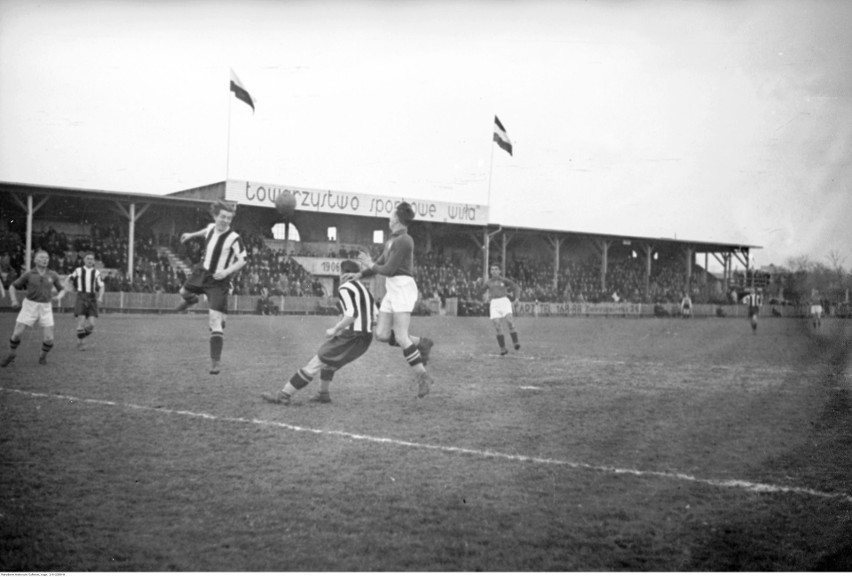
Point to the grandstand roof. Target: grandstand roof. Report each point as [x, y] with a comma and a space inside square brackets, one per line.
[698, 245]
[70, 207]
[72, 203]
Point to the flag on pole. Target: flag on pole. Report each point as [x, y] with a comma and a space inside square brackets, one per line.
[240, 91]
[500, 136]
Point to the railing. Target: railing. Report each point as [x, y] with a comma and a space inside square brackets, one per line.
[123, 302]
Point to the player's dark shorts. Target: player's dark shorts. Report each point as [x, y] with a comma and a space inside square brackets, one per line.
[753, 310]
[86, 305]
[343, 349]
[202, 282]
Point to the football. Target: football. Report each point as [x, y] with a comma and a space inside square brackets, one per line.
[285, 203]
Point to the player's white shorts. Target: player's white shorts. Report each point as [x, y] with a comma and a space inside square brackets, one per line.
[816, 310]
[32, 311]
[400, 295]
[499, 308]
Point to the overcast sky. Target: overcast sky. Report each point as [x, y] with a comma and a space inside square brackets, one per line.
[714, 121]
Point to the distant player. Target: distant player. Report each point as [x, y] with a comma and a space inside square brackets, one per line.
[86, 281]
[39, 283]
[816, 314]
[753, 300]
[224, 256]
[347, 340]
[686, 306]
[500, 307]
[396, 263]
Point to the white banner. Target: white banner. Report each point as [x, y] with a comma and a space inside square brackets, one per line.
[318, 266]
[354, 203]
[534, 309]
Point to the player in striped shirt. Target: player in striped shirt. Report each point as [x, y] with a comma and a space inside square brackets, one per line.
[753, 300]
[347, 340]
[224, 256]
[86, 281]
[39, 283]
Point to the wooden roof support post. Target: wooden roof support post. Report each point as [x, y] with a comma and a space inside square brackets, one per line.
[556, 243]
[30, 210]
[132, 216]
[689, 254]
[603, 249]
[648, 249]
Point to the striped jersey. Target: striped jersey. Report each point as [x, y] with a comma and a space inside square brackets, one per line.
[753, 300]
[356, 301]
[221, 249]
[86, 280]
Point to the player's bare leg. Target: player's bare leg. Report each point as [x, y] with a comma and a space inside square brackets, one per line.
[512, 332]
[217, 340]
[324, 394]
[85, 327]
[14, 343]
[401, 322]
[189, 299]
[501, 339]
[46, 345]
[300, 380]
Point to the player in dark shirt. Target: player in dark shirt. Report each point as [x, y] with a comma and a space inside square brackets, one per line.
[397, 265]
[500, 307]
[39, 283]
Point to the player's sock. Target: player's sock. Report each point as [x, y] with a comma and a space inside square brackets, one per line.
[501, 340]
[217, 342]
[299, 380]
[13, 344]
[412, 356]
[89, 330]
[45, 348]
[326, 376]
[392, 340]
[515, 340]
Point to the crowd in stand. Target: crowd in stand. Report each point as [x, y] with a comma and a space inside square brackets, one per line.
[273, 272]
[576, 282]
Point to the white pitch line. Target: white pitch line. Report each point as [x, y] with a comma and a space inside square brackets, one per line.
[724, 483]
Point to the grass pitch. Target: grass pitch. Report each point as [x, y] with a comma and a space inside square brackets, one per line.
[603, 444]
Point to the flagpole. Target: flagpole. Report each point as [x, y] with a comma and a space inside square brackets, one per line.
[228, 142]
[490, 170]
[487, 237]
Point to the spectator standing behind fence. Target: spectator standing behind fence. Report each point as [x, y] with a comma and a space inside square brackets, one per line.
[86, 281]
[37, 306]
[500, 307]
[224, 256]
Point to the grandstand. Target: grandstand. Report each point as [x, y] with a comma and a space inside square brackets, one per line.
[136, 240]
